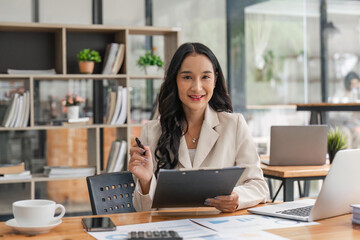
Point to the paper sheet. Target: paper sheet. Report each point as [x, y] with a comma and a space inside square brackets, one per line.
[235, 225]
[185, 228]
[225, 228]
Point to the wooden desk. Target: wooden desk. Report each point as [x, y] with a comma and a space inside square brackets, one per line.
[318, 110]
[71, 228]
[288, 174]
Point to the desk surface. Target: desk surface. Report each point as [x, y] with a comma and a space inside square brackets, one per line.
[71, 228]
[296, 171]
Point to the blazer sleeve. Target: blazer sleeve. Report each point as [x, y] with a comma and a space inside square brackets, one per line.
[251, 188]
[143, 202]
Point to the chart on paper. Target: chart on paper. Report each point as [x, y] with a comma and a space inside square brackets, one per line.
[185, 228]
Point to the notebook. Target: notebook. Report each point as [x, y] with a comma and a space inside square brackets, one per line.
[190, 188]
[297, 145]
[339, 190]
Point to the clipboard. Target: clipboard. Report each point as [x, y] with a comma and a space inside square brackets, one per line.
[190, 188]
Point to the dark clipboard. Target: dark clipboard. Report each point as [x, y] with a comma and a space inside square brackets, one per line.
[190, 188]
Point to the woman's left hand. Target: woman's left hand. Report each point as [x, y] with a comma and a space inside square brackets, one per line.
[226, 203]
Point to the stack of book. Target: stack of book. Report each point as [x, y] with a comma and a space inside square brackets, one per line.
[18, 111]
[117, 156]
[114, 57]
[356, 213]
[66, 171]
[13, 171]
[116, 110]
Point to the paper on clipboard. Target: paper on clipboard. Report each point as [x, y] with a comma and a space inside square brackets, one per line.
[190, 188]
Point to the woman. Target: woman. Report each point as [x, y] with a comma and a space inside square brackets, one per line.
[197, 129]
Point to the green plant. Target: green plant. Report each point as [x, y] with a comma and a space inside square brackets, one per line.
[336, 141]
[88, 55]
[149, 59]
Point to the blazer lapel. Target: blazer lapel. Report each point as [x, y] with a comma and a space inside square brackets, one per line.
[184, 157]
[208, 137]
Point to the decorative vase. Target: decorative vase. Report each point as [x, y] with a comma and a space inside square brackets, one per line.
[73, 112]
[151, 70]
[86, 67]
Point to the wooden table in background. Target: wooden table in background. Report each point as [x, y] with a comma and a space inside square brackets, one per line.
[288, 174]
[71, 228]
[318, 110]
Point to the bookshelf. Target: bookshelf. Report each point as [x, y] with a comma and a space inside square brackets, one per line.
[37, 46]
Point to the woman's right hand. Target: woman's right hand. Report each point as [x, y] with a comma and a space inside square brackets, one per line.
[141, 165]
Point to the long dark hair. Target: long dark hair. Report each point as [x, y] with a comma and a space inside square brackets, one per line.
[172, 116]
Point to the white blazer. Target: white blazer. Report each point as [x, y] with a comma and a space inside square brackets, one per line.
[224, 141]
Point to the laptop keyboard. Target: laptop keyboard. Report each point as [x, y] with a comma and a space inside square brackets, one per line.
[302, 212]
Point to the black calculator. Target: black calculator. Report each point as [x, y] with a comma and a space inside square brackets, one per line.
[154, 235]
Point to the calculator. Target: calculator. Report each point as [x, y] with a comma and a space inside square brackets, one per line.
[154, 235]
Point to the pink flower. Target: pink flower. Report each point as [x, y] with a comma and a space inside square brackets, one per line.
[72, 100]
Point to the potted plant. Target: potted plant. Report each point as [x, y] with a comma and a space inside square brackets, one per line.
[150, 62]
[72, 104]
[87, 59]
[336, 141]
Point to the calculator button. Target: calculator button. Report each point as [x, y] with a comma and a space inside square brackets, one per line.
[149, 234]
[141, 234]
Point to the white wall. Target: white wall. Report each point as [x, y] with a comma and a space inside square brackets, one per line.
[65, 11]
[124, 12]
[16, 10]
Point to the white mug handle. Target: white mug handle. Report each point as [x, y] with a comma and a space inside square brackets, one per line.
[56, 219]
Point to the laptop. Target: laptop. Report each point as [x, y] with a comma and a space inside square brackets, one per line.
[297, 145]
[340, 189]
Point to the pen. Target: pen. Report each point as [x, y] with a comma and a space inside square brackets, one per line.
[138, 142]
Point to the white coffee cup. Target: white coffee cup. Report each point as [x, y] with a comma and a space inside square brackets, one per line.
[35, 213]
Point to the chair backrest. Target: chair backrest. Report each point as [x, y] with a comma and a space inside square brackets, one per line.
[111, 193]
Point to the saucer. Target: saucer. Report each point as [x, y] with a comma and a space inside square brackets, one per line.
[31, 230]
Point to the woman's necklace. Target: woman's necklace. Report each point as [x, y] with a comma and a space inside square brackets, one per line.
[192, 138]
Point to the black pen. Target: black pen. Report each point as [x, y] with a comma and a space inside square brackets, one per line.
[138, 142]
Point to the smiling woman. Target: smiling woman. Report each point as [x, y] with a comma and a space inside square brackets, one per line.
[196, 82]
[197, 129]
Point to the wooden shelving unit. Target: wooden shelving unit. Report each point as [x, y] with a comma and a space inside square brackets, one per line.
[35, 46]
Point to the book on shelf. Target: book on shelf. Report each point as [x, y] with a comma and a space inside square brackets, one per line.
[31, 72]
[121, 119]
[111, 102]
[27, 109]
[17, 113]
[109, 59]
[117, 156]
[21, 118]
[66, 171]
[10, 111]
[118, 105]
[119, 58]
[12, 168]
[21, 175]
[121, 157]
[79, 120]
[114, 150]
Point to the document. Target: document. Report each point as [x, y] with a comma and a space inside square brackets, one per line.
[236, 226]
[185, 228]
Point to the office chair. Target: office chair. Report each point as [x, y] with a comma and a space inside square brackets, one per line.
[111, 193]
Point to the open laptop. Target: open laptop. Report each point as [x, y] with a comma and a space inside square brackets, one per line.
[297, 145]
[340, 189]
